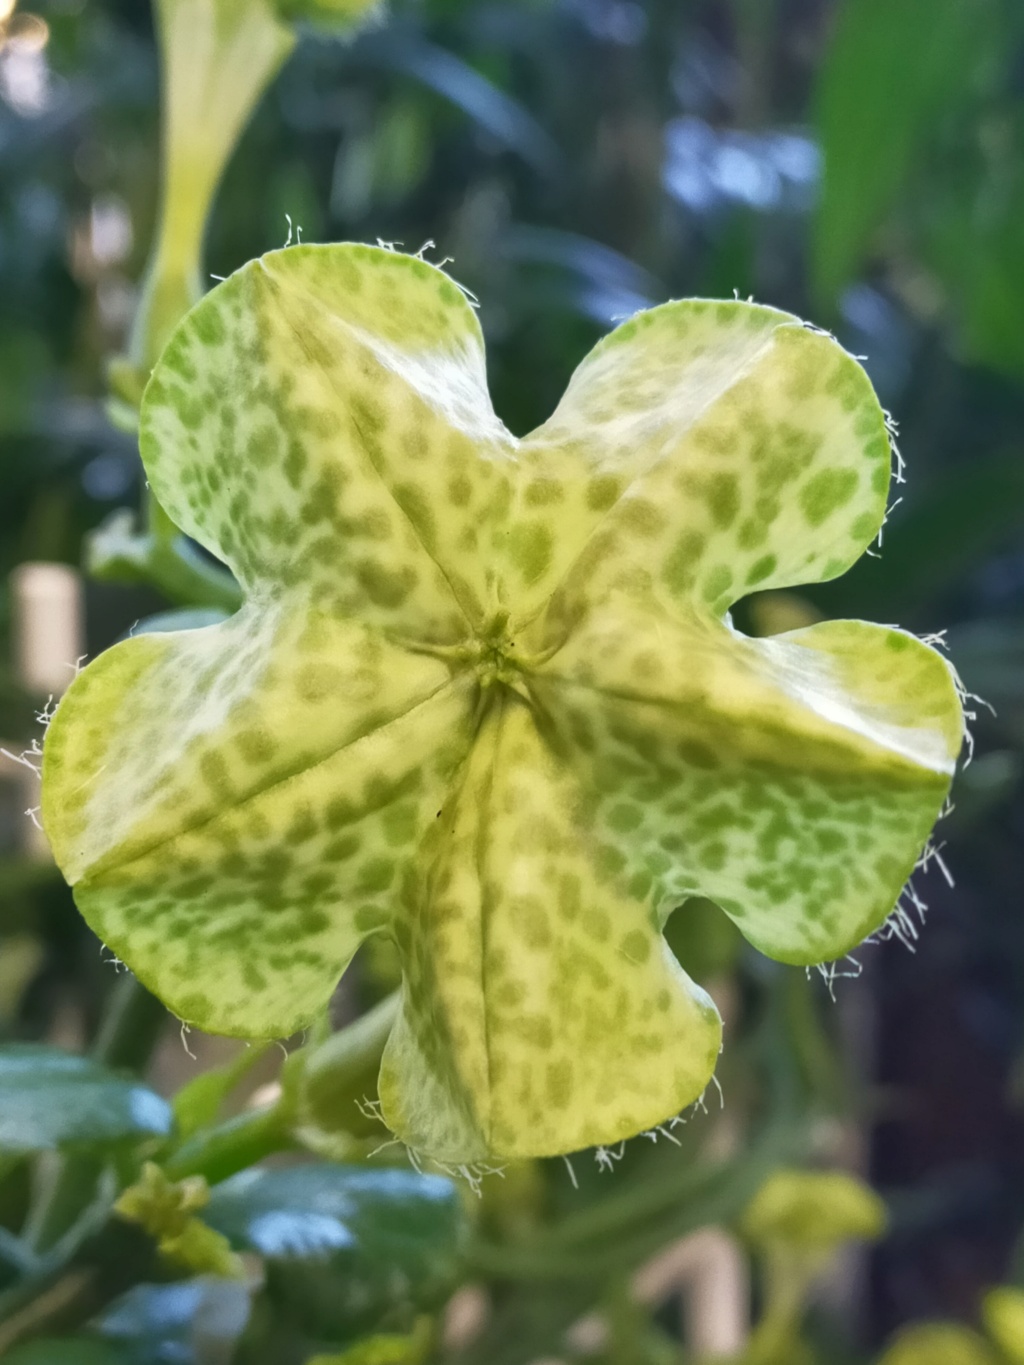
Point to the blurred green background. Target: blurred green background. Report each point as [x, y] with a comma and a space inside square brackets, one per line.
[859, 162]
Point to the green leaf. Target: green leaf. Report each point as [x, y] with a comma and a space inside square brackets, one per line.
[491, 108]
[50, 1098]
[346, 1248]
[192, 1320]
[485, 695]
[891, 70]
[341, 15]
[974, 241]
[942, 534]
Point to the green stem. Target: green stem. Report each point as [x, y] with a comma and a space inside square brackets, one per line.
[118, 553]
[337, 1074]
[217, 59]
[131, 1026]
[776, 1338]
[65, 1187]
[321, 1088]
[58, 1296]
[627, 1324]
[232, 1146]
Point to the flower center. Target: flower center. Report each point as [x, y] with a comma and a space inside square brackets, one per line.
[492, 655]
[492, 663]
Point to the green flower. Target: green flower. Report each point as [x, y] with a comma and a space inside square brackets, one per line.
[484, 694]
[218, 56]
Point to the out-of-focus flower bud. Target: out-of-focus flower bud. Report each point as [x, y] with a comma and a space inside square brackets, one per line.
[1003, 1315]
[938, 1343]
[813, 1211]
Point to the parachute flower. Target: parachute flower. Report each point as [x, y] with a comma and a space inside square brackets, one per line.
[484, 694]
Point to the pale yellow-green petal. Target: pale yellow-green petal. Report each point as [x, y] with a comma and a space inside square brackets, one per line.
[793, 780]
[235, 806]
[542, 1010]
[484, 695]
[321, 420]
[700, 451]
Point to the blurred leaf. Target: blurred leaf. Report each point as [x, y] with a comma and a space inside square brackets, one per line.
[990, 658]
[330, 15]
[66, 1351]
[451, 77]
[347, 1248]
[21, 956]
[199, 1320]
[773, 613]
[330, 1079]
[591, 278]
[198, 1103]
[383, 163]
[936, 540]
[977, 244]
[982, 787]
[703, 938]
[890, 71]
[619, 1232]
[50, 1098]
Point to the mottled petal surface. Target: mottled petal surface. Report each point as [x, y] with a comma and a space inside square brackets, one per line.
[705, 450]
[543, 1010]
[485, 695]
[232, 804]
[322, 421]
[792, 780]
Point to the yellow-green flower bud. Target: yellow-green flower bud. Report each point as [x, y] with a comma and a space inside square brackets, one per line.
[813, 1211]
[1003, 1315]
[166, 1210]
[938, 1343]
[218, 58]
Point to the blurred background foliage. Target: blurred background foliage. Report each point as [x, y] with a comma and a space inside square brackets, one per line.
[860, 162]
